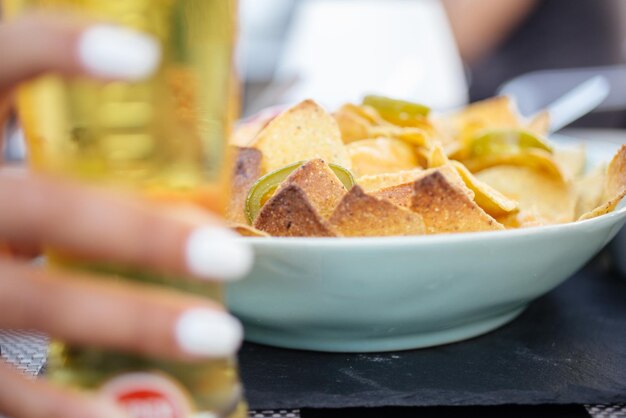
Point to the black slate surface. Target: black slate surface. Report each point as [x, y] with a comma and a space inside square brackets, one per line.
[513, 411]
[569, 347]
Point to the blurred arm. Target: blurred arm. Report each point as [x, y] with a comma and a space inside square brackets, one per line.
[479, 26]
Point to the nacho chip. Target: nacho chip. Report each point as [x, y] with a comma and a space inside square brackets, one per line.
[359, 122]
[412, 135]
[301, 133]
[494, 113]
[549, 198]
[488, 198]
[536, 159]
[615, 186]
[381, 155]
[616, 174]
[360, 215]
[464, 124]
[492, 201]
[245, 132]
[589, 190]
[487, 168]
[505, 141]
[571, 161]
[367, 113]
[540, 124]
[247, 170]
[396, 111]
[247, 230]
[440, 135]
[437, 157]
[445, 207]
[522, 220]
[606, 207]
[352, 125]
[375, 182]
[290, 214]
[321, 186]
[363, 122]
[402, 194]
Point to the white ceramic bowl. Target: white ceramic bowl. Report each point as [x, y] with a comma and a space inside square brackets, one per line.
[395, 293]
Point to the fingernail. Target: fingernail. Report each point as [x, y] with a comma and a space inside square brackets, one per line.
[114, 52]
[205, 332]
[218, 254]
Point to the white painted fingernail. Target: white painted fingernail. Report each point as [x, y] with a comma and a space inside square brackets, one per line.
[114, 52]
[205, 332]
[218, 254]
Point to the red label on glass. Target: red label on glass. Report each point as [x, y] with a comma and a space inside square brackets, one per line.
[145, 395]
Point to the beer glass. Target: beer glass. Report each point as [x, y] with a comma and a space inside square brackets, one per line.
[164, 138]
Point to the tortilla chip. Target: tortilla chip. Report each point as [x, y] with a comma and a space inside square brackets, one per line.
[537, 192]
[302, 133]
[375, 182]
[616, 174]
[521, 220]
[402, 194]
[446, 207]
[494, 113]
[437, 157]
[606, 207]
[411, 135]
[367, 113]
[492, 201]
[589, 190]
[244, 133]
[247, 171]
[360, 215]
[247, 231]
[290, 214]
[537, 159]
[540, 124]
[571, 161]
[381, 155]
[363, 122]
[352, 125]
[322, 187]
[615, 186]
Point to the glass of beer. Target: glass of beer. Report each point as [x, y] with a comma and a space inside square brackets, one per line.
[164, 138]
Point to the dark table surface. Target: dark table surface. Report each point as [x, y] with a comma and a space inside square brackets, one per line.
[569, 347]
[564, 357]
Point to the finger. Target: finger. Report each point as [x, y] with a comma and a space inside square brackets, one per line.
[24, 398]
[38, 43]
[5, 107]
[19, 251]
[151, 321]
[108, 227]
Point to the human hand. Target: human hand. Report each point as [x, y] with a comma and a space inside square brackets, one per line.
[36, 211]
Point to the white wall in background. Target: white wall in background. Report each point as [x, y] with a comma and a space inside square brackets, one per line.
[340, 49]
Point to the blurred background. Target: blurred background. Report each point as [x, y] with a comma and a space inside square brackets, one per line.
[439, 52]
[442, 53]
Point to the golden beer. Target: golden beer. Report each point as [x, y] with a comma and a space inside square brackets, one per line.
[165, 138]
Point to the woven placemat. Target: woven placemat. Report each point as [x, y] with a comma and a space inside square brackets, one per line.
[27, 352]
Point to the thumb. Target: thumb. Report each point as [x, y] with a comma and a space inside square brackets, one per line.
[36, 43]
